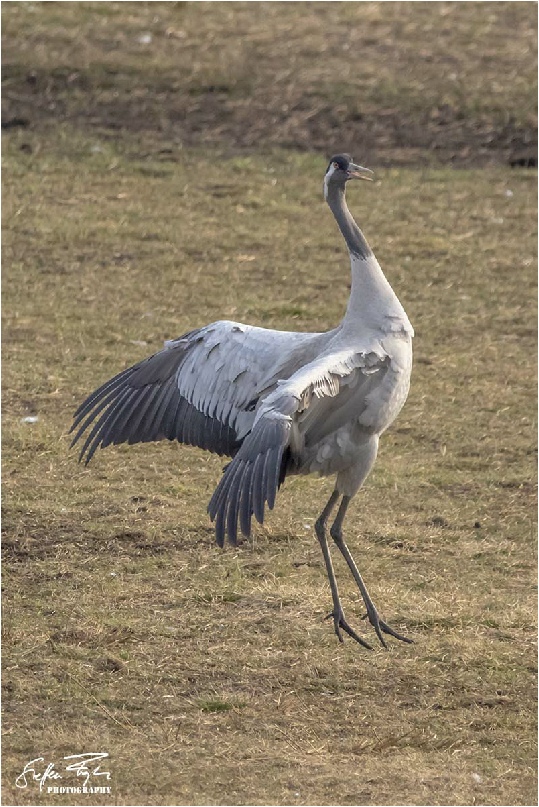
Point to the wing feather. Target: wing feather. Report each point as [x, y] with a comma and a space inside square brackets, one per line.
[259, 396]
[148, 427]
[132, 418]
[257, 495]
[120, 414]
[314, 401]
[108, 417]
[100, 394]
[197, 390]
[252, 478]
[233, 502]
[246, 503]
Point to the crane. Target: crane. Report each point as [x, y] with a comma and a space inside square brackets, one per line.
[276, 402]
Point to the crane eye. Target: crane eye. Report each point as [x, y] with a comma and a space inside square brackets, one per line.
[336, 165]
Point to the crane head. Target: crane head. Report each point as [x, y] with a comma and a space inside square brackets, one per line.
[341, 168]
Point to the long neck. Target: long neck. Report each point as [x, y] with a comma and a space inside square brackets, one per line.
[372, 303]
[355, 240]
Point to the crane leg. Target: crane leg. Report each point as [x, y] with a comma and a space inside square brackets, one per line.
[338, 614]
[336, 533]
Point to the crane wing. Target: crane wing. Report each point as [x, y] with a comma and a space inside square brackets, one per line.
[317, 399]
[202, 389]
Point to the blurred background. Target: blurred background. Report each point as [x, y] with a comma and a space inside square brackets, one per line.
[400, 83]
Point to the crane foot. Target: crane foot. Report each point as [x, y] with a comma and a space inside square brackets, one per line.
[382, 627]
[340, 622]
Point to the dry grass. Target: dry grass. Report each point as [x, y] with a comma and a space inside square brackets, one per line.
[410, 82]
[211, 677]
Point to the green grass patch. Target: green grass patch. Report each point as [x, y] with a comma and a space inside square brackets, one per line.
[215, 706]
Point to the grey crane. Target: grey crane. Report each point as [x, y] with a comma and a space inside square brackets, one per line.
[277, 402]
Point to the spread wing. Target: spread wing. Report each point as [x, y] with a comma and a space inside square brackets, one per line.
[202, 389]
[318, 399]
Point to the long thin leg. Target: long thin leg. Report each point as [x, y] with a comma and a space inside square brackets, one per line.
[338, 614]
[378, 624]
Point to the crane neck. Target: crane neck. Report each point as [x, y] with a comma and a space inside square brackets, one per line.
[355, 240]
[373, 304]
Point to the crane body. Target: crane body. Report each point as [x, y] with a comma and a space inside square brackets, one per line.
[277, 402]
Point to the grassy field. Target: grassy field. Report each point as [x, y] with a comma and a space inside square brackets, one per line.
[407, 82]
[140, 202]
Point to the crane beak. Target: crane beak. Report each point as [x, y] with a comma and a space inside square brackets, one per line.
[358, 172]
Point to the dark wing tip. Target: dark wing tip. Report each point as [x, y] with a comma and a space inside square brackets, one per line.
[251, 480]
[143, 404]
